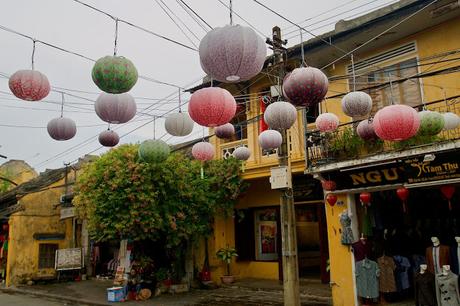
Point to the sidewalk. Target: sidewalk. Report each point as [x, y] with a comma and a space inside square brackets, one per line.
[244, 292]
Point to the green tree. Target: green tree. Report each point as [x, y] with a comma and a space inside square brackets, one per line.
[122, 197]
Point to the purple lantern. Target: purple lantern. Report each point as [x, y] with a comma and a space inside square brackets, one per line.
[280, 115]
[115, 108]
[242, 153]
[225, 131]
[366, 131]
[305, 86]
[233, 53]
[61, 128]
[108, 138]
[327, 122]
[203, 151]
[270, 139]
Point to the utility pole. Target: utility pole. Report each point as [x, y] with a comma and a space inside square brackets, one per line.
[288, 222]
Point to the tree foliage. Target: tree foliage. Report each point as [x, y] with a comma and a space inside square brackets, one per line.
[122, 197]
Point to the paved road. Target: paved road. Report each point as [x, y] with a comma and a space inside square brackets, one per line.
[25, 300]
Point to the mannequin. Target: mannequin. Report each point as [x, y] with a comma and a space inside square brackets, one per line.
[424, 287]
[447, 288]
[437, 256]
[455, 256]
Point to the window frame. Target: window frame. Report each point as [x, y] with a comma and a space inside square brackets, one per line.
[49, 261]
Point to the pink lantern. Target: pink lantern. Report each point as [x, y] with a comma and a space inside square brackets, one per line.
[396, 122]
[233, 53]
[61, 128]
[29, 85]
[115, 108]
[225, 131]
[270, 139]
[212, 106]
[305, 86]
[327, 122]
[108, 138]
[366, 131]
[242, 153]
[280, 115]
[203, 151]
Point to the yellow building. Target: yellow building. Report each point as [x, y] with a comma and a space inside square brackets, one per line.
[405, 53]
[41, 220]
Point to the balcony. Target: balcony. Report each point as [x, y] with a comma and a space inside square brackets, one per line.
[343, 147]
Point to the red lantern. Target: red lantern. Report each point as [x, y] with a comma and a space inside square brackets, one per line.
[396, 122]
[403, 195]
[365, 198]
[331, 199]
[212, 106]
[448, 191]
[29, 85]
[203, 151]
[329, 185]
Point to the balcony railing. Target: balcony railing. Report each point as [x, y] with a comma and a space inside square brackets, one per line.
[228, 148]
[344, 144]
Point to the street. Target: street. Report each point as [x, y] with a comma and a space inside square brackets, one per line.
[25, 300]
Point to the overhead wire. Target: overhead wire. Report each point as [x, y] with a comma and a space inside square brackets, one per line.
[239, 16]
[196, 14]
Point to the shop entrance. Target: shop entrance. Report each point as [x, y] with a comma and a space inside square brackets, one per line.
[401, 237]
[312, 247]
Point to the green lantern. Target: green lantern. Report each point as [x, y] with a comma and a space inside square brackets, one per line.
[431, 123]
[114, 74]
[154, 151]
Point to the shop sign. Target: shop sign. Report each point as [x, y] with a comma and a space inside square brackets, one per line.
[67, 212]
[368, 177]
[69, 259]
[442, 167]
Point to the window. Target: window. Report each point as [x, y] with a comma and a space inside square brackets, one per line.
[266, 234]
[46, 255]
[407, 92]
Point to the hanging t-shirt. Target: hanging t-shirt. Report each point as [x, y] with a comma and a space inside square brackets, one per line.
[367, 282]
[387, 268]
[402, 272]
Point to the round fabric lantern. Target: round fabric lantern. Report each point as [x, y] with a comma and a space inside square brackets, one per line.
[431, 123]
[212, 106]
[365, 198]
[331, 199]
[108, 138]
[451, 121]
[357, 104]
[327, 122]
[179, 124]
[242, 153]
[114, 74]
[403, 195]
[366, 131]
[115, 108]
[29, 85]
[154, 151]
[203, 151]
[280, 115]
[305, 86]
[270, 139]
[225, 131]
[329, 185]
[61, 128]
[233, 53]
[396, 122]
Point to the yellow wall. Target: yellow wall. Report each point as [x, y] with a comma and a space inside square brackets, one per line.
[41, 214]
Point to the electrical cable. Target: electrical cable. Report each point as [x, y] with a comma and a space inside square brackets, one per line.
[239, 16]
[194, 18]
[195, 13]
[180, 20]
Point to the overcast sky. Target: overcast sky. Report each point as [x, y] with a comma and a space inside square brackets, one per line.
[77, 28]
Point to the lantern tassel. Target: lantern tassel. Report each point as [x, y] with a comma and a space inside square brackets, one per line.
[242, 167]
[450, 205]
[404, 207]
[202, 172]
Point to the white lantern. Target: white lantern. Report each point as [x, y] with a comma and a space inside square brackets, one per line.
[179, 124]
[62, 128]
[280, 115]
[270, 139]
[451, 121]
[225, 131]
[115, 108]
[327, 122]
[242, 153]
[357, 104]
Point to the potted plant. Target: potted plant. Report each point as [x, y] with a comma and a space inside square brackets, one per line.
[226, 254]
[163, 278]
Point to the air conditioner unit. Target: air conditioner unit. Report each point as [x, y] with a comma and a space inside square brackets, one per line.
[66, 198]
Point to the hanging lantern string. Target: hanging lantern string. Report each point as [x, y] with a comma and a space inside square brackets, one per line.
[231, 12]
[180, 102]
[203, 132]
[116, 38]
[108, 127]
[154, 132]
[391, 89]
[33, 53]
[62, 104]
[353, 72]
[302, 51]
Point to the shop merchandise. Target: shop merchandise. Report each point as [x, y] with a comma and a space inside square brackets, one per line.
[362, 249]
[387, 268]
[455, 256]
[447, 288]
[437, 256]
[367, 279]
[402, 272]
[347, 233]
[424, 287]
